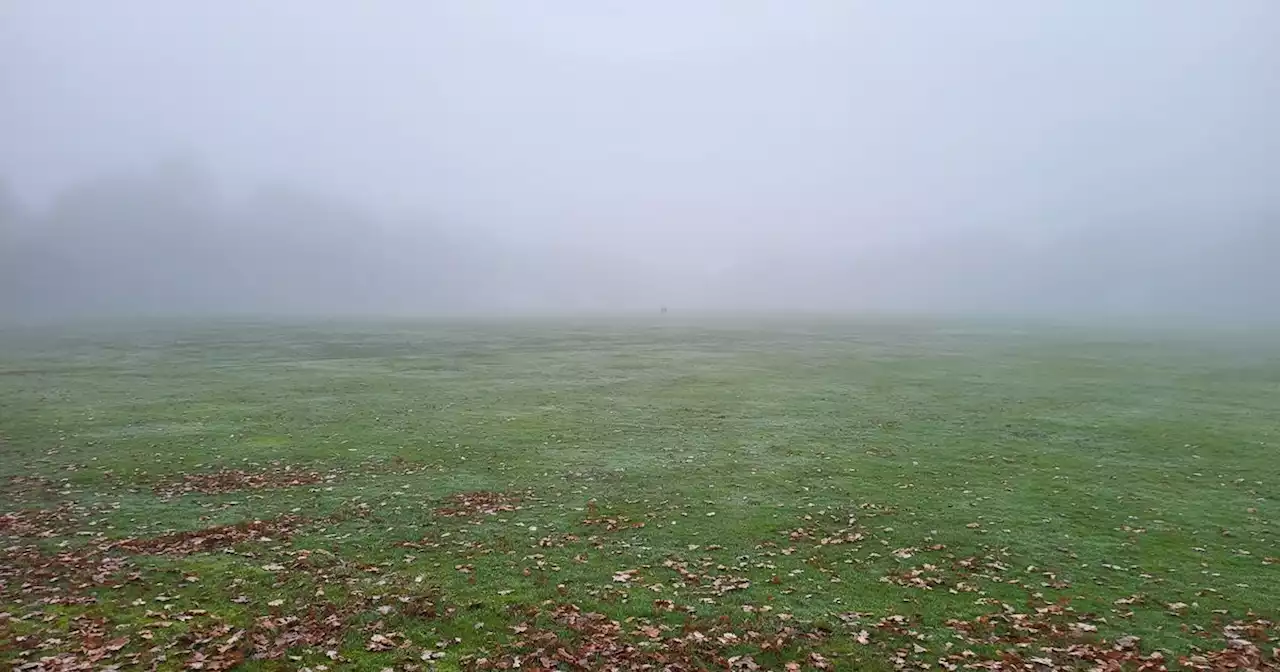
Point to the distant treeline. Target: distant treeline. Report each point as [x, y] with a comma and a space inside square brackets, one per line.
[168, 241]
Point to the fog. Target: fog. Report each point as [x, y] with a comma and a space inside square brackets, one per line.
[1079, 157]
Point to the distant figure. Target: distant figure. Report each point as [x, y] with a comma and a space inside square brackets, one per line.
[664, 310]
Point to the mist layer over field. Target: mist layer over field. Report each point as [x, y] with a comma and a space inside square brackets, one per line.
[1059, 158]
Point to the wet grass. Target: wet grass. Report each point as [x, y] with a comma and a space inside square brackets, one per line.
[1089, 465]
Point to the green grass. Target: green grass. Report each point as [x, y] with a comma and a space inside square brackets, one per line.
[1122, 462]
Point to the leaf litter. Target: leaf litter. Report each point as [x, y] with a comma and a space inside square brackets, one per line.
[235, 480]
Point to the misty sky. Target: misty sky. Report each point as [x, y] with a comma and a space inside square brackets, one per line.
[708, 131]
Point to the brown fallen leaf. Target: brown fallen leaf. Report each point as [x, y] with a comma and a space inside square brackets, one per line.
[380, 643]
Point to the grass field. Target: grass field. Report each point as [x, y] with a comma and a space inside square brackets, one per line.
[817, 495]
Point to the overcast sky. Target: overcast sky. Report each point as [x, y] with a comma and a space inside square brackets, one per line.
[666, 123]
